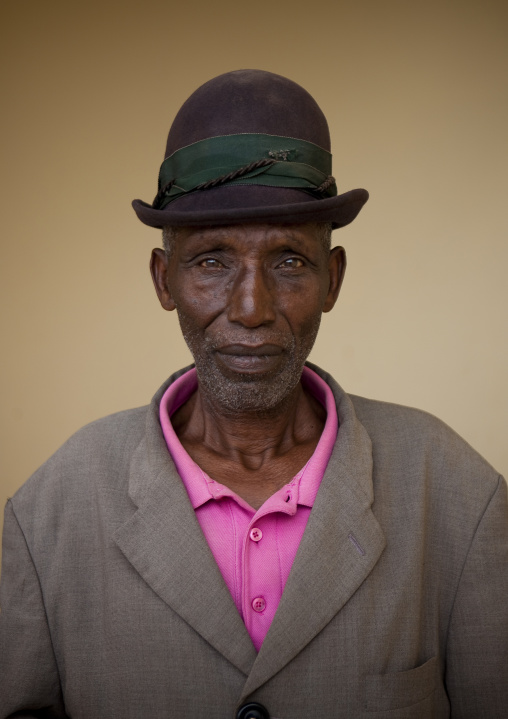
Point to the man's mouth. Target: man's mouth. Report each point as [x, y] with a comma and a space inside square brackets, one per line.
[250, 359]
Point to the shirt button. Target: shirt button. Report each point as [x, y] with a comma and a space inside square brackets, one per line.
[255, 534]
[258, 604]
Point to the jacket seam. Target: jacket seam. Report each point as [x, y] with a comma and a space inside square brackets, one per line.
[473, 537]
[10, 502]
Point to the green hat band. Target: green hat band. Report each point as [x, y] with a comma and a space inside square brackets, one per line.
[246, 159]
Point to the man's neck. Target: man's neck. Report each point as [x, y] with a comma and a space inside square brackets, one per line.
[252, 453]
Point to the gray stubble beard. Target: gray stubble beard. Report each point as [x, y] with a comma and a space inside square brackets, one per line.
[259, 395]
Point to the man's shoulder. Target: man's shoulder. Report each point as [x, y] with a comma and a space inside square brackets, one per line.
[389, 415]
[114, 434]
[101, 451]
[408, 435]
[411, 424]
[425, 448]
[97, 455]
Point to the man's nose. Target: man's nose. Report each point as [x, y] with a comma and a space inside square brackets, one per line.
[251, 302]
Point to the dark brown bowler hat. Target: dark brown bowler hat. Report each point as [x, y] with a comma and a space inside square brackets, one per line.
[249, 146]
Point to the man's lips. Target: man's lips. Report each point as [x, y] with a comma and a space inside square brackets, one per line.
[251, 359]
[242, 350]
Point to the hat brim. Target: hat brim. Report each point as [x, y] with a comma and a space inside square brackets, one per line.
[253, 204]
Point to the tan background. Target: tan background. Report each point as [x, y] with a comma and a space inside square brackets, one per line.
[417, 99]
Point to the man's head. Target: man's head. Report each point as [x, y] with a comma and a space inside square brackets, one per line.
[249, 300]
[247, 201]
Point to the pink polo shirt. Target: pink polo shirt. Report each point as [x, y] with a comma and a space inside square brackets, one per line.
[254, 550]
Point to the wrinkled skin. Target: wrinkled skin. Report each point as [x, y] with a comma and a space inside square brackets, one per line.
[249, 300]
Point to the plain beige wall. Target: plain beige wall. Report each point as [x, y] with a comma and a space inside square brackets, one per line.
[417, 99]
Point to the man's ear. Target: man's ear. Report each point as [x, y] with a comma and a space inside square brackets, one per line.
[336, 270]
[159, 271]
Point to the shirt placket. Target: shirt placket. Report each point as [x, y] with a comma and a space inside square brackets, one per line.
[261, 568]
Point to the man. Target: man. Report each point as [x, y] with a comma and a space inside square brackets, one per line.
[255, 543]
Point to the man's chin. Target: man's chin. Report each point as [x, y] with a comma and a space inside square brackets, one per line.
[248, 391]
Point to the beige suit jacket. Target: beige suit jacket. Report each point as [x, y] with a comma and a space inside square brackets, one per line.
[396, 605]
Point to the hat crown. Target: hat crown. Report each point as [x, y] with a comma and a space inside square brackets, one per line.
[212, 177]
[248, 101]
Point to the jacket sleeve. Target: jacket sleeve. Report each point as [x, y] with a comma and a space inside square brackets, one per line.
[29, 681]
[477, 647]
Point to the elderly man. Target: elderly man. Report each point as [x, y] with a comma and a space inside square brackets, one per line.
[255, 543]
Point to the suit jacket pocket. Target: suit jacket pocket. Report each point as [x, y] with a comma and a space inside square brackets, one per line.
[385, 692]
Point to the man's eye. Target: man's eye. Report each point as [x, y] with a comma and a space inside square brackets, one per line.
[293, 263]
[210, 263]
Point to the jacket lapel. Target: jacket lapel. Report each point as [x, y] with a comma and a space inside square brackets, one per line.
[342, 543]
[164, 543]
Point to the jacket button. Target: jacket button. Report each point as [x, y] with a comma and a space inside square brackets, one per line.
[252, 710]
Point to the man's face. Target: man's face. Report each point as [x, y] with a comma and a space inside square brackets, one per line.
[249, 300]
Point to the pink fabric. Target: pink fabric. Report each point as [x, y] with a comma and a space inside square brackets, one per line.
[253, 549]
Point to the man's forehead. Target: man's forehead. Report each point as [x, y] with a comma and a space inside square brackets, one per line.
[251, 232]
